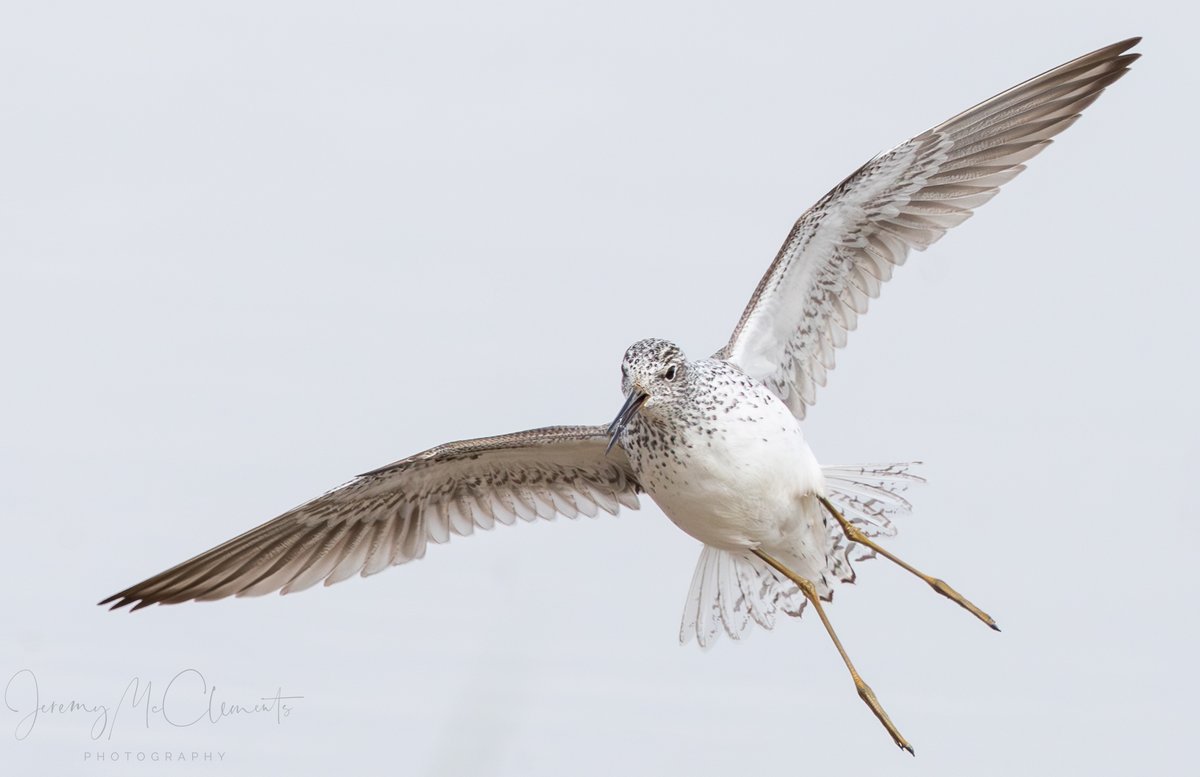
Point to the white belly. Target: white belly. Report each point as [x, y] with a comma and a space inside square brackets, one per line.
[741, 480]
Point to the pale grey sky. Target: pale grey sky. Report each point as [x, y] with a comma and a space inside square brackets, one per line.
[248, 250]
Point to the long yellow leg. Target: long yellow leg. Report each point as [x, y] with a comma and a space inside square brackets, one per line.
[864, 691]
[854, 534]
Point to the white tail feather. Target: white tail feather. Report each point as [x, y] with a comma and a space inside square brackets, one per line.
[733, 589]
[870, 496]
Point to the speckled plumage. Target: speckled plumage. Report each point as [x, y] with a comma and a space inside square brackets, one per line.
[716, 442]
[726, 461]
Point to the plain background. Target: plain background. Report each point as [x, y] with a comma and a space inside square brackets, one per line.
[252, 249]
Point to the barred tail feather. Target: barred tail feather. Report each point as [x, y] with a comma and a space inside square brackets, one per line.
[871, 495]
[732, 590]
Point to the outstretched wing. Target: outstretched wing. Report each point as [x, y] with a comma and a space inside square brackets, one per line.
[840, 252]
[387, 516]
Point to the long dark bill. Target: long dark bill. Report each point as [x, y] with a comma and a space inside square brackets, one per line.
[633, 403]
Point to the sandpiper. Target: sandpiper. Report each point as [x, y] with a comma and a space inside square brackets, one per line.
[716, 442]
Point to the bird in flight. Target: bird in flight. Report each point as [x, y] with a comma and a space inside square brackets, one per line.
[715, 442]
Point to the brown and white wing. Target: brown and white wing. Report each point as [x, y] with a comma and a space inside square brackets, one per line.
[388, 516]
[841, 251]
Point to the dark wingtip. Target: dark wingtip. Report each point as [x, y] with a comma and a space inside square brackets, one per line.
[1126, 60]
[116, 600]
[124, 599]
[1122, 46]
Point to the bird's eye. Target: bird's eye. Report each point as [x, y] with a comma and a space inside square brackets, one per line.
[670, 373]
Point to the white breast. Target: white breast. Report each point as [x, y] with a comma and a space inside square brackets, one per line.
[740, 474]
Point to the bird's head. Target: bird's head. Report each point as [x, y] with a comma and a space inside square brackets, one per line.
[652, 372]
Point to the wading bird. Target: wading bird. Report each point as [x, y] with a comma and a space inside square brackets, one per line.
[715, 442]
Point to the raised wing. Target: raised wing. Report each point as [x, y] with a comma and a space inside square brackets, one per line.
[841, 251]
[388, 516]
